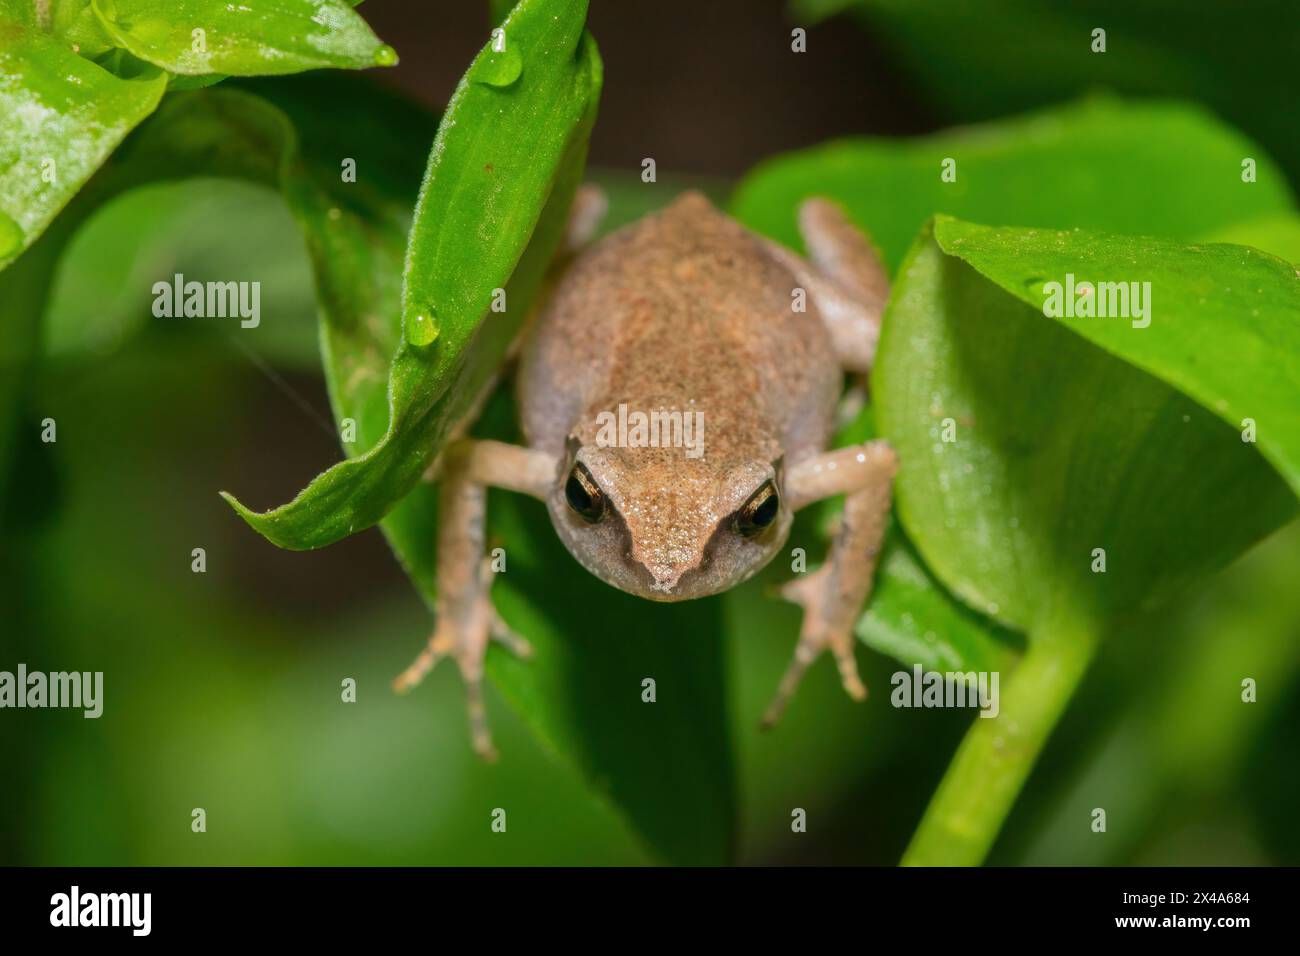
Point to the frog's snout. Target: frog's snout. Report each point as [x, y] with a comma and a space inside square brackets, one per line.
[664, 581]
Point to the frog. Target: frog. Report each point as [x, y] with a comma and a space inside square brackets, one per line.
[685, 313]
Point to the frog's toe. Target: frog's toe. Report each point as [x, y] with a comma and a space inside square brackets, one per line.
[817, 634]
[513, 641]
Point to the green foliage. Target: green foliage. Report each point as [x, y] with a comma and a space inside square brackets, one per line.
[60, 118]
[1168, 169]
[1217, 309]
[245, 39]
[508, 157]
[1073, 435]
[975, 61]
[1061, 446]
[1066, 457]
[62, 114]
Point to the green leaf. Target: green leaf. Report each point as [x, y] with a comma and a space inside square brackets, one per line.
[22, 12]
[1224, 321]
[1062, 448]
[974, 61]
[249, 38]
[910, 616]
[1163, 169]
[1277, 233]
[60, 118]
[511, 146]
[76, 24]
[912, 619]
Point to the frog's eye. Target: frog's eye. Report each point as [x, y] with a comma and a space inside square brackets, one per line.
[759, 511]
[584, 495]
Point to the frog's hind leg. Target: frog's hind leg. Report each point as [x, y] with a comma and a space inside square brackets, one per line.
[834, 594]
[466, 621]
[845, 279]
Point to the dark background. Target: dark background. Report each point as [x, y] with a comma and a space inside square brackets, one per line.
[703, 87]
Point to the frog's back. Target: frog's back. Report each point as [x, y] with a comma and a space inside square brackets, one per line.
[685, 309]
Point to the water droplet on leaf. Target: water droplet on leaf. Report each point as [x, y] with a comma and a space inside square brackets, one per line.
[385, 56]
[499, 68]
[422, 328]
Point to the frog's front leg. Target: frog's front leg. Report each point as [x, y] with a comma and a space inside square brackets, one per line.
[834, 594]
[466, 621]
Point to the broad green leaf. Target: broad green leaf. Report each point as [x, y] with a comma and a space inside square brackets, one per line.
[910, 616]
[249, 38]
[1061, 446]
[914, 620]
[1224, 320]
[60, 118]
[1143, 169]
[510, 146]
[1061, 449]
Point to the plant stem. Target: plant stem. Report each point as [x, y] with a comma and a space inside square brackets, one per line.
[997, 754]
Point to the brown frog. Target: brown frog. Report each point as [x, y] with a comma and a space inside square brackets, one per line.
[678, 391]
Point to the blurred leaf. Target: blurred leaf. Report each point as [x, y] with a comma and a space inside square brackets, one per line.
[1185, 738]
[1061, 448]
[1143, 169]
[1276, 233]
[102, 297]
[1224, 319]
[973, 59]
[511, 146]
[814, 11]
[249, 38]
[60, 118]
[19, 11]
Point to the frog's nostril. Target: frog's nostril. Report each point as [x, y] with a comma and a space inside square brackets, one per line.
[665, 578]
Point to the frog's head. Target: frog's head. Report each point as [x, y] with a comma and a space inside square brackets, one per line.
[658, 523]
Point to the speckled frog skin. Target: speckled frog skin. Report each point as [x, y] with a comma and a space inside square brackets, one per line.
[682, 314]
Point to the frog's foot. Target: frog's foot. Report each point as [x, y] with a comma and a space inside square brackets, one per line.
[825, 628]
[465, 637]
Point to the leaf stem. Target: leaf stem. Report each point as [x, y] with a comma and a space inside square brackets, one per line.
[997, 754]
